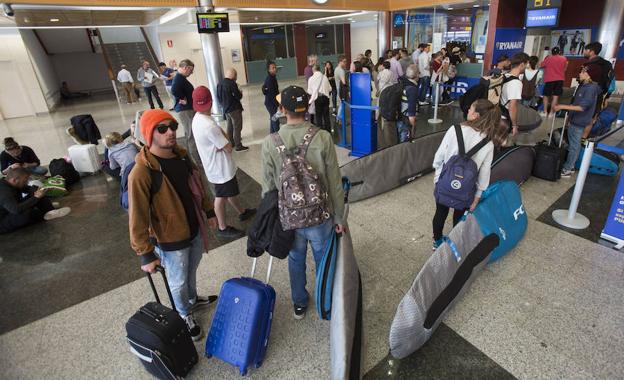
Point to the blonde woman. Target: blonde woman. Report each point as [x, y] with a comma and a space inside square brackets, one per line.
[120, 154]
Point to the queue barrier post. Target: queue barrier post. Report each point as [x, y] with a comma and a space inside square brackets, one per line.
[435, 119]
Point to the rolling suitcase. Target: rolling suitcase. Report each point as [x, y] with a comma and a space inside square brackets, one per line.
[160, 338]
[241, 326]
[549, 159]
[84, 158]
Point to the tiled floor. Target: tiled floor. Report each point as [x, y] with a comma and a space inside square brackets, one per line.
[552, 308]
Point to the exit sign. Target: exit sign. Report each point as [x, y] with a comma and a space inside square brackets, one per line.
[532, 4]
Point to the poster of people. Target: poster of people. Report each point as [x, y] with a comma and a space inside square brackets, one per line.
[571, 41]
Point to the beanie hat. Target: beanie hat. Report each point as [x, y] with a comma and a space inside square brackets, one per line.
[149, 120]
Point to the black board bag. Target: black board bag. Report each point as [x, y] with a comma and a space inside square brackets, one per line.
[159, 337]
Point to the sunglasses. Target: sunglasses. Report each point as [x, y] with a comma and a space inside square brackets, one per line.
[162, 128]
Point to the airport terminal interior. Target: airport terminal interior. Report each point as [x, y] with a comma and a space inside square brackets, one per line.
[529, 284]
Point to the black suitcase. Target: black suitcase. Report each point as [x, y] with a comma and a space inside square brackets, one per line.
[159, 337]
[549, 158]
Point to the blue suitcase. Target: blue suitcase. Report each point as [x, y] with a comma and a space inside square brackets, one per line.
[241, 326]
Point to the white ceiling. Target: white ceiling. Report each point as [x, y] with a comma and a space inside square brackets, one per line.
[59, 41]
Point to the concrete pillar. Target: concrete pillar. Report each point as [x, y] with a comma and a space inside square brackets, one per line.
[212, 58]
[382, 32]
[611, 27]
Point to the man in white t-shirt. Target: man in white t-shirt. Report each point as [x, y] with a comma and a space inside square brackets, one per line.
[215, 151]
[511, 94]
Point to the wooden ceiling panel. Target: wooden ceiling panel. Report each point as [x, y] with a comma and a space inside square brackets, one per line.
[282, 17]
[38, 18]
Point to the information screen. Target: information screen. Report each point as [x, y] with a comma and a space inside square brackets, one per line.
[213, 22]
[542, 17]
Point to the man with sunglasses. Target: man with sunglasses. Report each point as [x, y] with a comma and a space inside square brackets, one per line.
[166, 204]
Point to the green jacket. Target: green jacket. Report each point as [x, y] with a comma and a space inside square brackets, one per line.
[321, 155]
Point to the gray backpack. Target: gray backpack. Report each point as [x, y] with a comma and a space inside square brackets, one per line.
[303, 199]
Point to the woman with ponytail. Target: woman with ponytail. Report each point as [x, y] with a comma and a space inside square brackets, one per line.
[484, 122]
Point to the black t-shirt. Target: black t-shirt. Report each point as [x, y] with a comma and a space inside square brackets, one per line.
[26, 157]
[177, 172]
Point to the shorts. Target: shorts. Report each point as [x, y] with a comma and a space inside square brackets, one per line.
[228, 189]
[553, 88]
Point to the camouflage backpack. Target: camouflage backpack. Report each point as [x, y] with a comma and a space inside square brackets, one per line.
[303, 199]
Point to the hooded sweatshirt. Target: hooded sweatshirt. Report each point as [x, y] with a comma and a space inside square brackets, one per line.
[122, 155]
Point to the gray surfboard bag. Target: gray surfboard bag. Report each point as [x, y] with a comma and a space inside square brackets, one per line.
[513, 164]
[441, 282]
[391, 167]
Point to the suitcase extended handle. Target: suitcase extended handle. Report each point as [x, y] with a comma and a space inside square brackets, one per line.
[160, 269]
[253, 268]
[552, 129]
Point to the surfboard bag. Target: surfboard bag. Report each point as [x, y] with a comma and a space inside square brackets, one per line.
[514, 164]
[602, 162]
[391, 167]
[325, 279]
[441, 282]
[345, 330]
[501, 212]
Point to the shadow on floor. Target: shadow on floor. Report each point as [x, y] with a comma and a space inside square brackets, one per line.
[54, 265]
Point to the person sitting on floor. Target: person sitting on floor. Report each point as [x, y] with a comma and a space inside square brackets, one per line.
[22, 205]
[67, 94]
[18, 156]
[119, 153]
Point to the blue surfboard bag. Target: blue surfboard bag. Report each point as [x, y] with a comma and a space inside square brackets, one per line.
[325, 278]
[501, 212]
[602, 163]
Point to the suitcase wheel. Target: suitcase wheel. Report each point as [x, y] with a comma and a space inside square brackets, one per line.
[258, 364]
[208, 356]
[243, 372]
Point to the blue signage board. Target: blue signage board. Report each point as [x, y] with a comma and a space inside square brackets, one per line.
[508, 41]
[614, 227]
[542, 17]
[461, 85]
[398, 20]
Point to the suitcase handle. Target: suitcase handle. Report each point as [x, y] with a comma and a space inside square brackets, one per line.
[253, 268]
[160, 269]
[552, 129]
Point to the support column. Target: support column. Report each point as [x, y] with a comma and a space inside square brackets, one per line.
[382, 32]
[611, 27]
[212, 58]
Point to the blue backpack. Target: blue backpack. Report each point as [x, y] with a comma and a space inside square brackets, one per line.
[123, 196]
[500, 211]
[457, 184]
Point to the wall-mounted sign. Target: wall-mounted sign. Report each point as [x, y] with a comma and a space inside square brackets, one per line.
[268, 31]
[236, 55]
[398, 20]
[542, 17]
[571, 41]
[170, 43]
[508, 41]
[536, 4]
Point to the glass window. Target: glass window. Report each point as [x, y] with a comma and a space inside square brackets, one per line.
[267, 43]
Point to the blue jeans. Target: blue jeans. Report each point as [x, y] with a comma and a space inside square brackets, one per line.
[318, 236]
[181, 267]
[403, 129]
[423, 84]
[574, 146]
[37, 170]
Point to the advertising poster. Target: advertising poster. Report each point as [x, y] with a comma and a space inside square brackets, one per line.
[571, 41]
[508, 41]
[420, 30]
[479, 30]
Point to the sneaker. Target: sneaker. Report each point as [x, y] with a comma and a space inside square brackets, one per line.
[551, 115]
[202, 302]
[437, 244]
[241, 148]
[248, 213]
[230, 233]
[423, 103]
[193, 327]
[58, 213]
[300, 312]
[566, 173]
[543, 114]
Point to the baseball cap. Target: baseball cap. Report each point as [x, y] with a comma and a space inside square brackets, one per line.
[294, 99]
[202, 99]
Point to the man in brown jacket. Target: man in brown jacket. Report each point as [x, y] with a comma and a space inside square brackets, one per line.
[164, 207]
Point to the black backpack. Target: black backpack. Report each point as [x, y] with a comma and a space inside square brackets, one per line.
[66, 170]
[390, 102]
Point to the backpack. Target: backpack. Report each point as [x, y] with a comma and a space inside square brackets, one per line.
[390, 102]
[123, 188]
[528, 87]
[603, 123]
[457, 184]
[66, 170]
[303, 198]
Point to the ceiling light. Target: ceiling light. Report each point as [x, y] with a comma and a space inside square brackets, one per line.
[327, 21]
[450, 8]
[54, 20]
[350, 18]
[476, 6]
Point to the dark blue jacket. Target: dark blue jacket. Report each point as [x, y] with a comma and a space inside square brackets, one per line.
[585, 97]
[270, 89]
[181, 88]
[229, 96]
